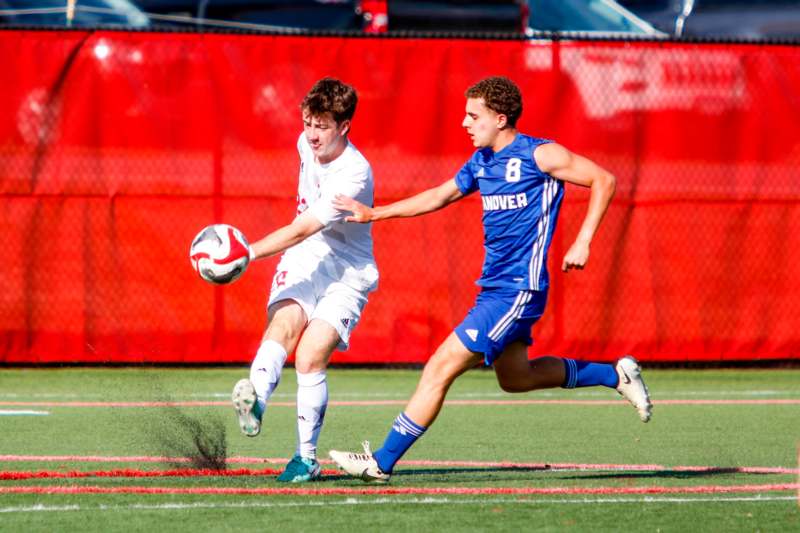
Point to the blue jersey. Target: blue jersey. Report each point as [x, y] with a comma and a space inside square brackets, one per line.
[520, 209]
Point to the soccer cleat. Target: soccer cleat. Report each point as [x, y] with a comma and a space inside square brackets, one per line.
[360, 465]
[245, 402]
[632, 387]
[300, 470]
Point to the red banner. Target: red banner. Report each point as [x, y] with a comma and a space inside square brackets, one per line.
[116, 148]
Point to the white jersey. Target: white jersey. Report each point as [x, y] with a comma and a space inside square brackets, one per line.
[342, 250]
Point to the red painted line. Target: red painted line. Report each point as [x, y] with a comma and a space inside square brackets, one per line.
[134, 473]
[475, 464]
[125, 404]
[792, 401]
[98, 459]
[787, 401]
[131, 459]
[372, 490]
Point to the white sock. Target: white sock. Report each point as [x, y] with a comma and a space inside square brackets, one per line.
[265, 372]
[312, 401]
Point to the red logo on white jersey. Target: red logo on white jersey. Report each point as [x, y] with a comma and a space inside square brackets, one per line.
[302, 205]
[280, 279]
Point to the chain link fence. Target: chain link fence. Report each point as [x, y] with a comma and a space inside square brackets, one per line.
[117, 147]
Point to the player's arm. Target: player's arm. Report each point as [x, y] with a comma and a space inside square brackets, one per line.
[279, 240]
[573, 168]
[425, 202]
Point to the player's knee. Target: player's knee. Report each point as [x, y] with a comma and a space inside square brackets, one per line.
[309, 367]
[510, 385]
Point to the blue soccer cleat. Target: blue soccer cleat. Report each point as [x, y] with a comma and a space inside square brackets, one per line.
[300, 470]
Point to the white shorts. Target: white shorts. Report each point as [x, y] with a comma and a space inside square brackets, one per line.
[320, 296]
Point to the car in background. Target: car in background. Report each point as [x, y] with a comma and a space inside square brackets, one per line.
[258, 15]
[511, 17]
[506, 16]
[530, 17]
[85, 14]
[599, 18]
[266, 15]
[737, 19]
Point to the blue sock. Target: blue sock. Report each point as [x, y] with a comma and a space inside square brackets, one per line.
[585, 374]
[401, 437]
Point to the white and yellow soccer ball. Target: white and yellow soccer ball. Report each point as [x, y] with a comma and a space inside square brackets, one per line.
[220, 253]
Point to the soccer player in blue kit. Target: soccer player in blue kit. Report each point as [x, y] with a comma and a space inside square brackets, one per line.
[521, 183]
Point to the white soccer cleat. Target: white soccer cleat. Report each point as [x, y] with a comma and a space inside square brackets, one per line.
[632, 387]
[245, 402]
[360, 465]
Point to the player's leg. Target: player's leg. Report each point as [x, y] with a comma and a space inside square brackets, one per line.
[510, 335]
[291, 301]
[516, 373]
[311, 360]
[451, 360]
[286, 320]
[625, 376]
[332, 321]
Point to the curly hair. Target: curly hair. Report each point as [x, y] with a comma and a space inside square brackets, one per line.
[501, 95]
[330, 95]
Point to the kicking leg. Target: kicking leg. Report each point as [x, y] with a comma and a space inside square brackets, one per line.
[250, 396]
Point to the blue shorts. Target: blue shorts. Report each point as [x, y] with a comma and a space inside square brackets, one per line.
[500, 316]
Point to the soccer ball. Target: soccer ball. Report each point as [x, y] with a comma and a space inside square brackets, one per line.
[220, 253]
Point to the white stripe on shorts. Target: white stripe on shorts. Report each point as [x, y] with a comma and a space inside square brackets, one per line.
[508, 319]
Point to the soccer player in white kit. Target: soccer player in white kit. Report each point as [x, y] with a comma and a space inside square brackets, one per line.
[323, 279]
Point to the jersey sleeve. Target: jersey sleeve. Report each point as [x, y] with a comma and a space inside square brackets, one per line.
[355, 184]
[465, 179]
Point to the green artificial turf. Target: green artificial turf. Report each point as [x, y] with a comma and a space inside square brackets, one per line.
[721, 435]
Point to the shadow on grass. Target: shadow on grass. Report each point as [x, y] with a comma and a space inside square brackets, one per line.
[463, 474]
[499, 473]
[667, 474]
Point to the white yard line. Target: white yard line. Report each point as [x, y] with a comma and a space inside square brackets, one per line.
[558, 394]
[251, 504]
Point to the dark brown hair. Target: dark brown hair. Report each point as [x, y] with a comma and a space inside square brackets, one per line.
[330, 95]
[501, 95]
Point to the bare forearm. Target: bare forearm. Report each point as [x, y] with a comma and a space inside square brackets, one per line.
[419, 204]
[422, 203]
[602, 192]
[286, 237]
[276, 242]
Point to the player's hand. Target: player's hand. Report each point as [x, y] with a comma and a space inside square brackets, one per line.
[576, 257]
[361, 213]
